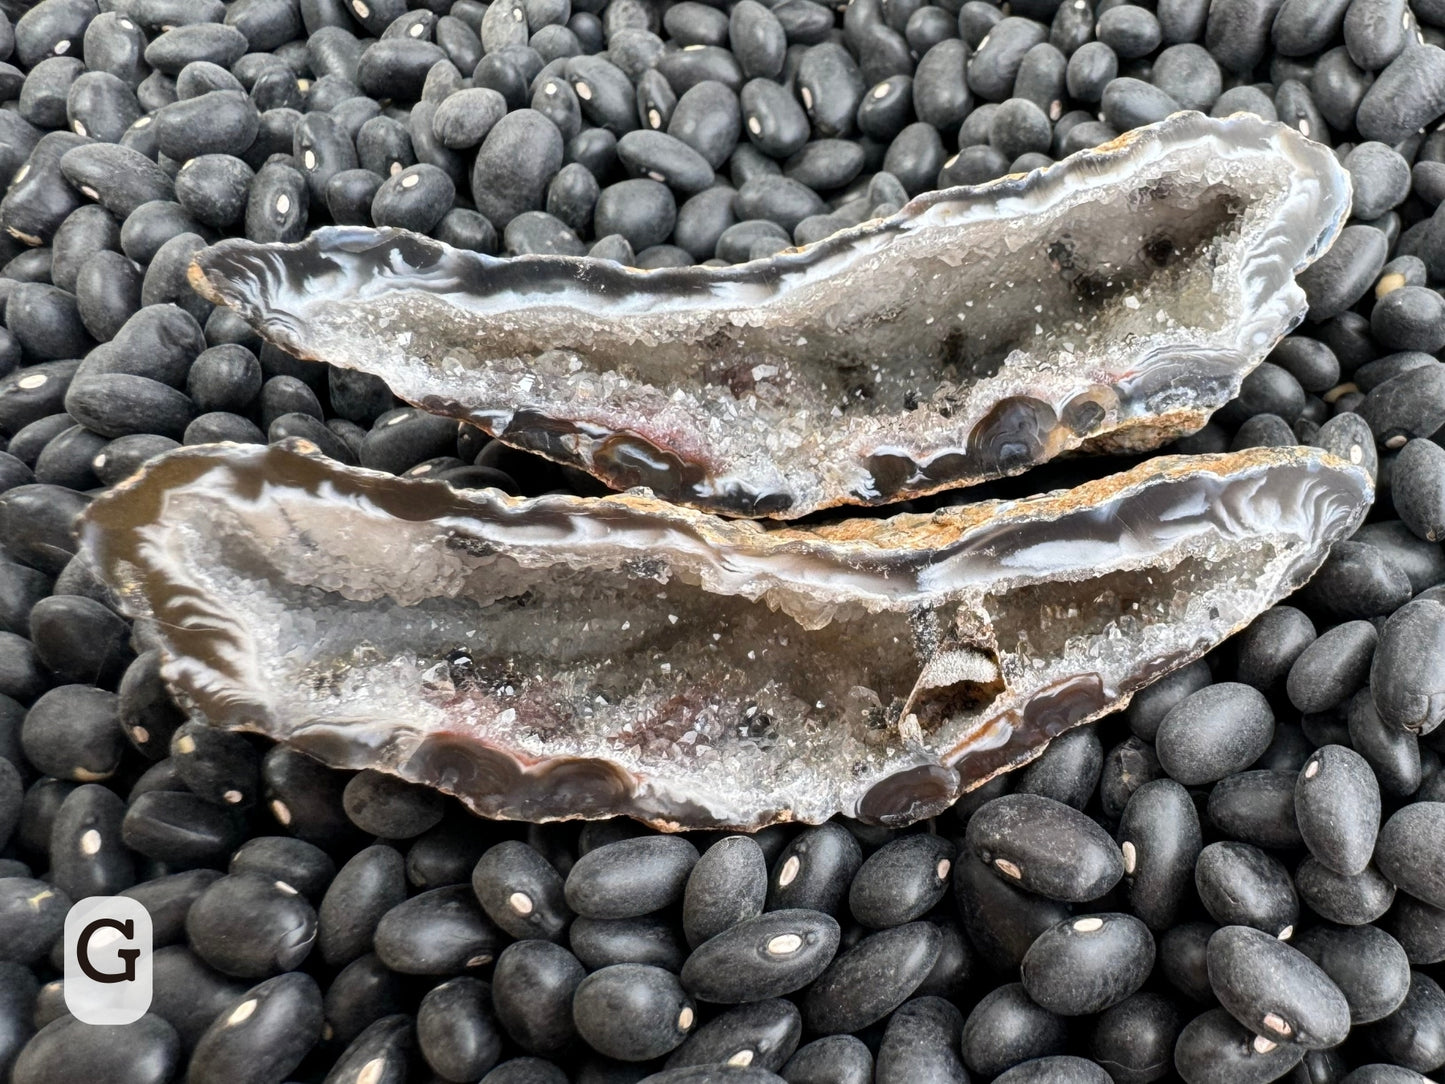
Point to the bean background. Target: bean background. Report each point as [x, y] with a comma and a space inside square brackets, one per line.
[1239, 879]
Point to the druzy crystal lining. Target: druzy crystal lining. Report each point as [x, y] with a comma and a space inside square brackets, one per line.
[1112, 300]
[565, 657]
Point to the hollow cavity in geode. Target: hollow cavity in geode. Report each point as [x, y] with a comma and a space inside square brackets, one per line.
[1112, 300]
[565, 657]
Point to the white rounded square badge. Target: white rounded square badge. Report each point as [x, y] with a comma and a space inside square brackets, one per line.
[108, 949]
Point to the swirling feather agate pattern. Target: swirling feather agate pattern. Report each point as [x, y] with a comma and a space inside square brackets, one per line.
[1113, 300]
[562, 657]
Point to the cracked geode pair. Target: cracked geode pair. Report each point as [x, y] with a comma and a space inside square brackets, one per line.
[573, 657]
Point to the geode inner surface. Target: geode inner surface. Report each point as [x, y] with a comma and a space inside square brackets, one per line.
[563, 657]
[1112, 300]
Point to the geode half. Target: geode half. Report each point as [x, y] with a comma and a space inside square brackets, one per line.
[563, 657]
[1113, 300]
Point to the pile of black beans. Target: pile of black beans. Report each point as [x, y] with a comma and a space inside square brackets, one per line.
[1239, 879]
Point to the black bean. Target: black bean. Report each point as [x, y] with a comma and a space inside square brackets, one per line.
[727, 885]
[630, 877]
[1409, 688]
[463, 119]
[151, 225]
[1214, 732]
[304, 866]
[889, 106]
[996, 59]
[1408, 95]
[46, 88]
[1413, 1036]
[277, 207]
[648, 939]
[72, 732]
[1311, 362]
[901, 881]
[1330, 670]
[708, 118]
[1417, 488]
[439, 932]
[456, 1030]
[1007, 1028]
[202, 76]
[760, 1036]
[180, 829]
[401, 438]
[1240, 884]
[940, 97]
[532, 989]
[34, 917]
[251, 925]
[1256, 807]
[116, 45]
[218, 765]
[1160, 840]
[830, 87]
[665, 158]
[517, 159]
[1271, 644]
[1189, 75]
[1358, 580]
[363, 992]
[225, 377]
[45, 322]
[264, 1036]
[1129, 103]
[871, 979]
[1216, 1049]
[1351, 901]
[1045, 847]
[87, 857]
[20, 589]
[1059, 1069]
[1419, 929]
[1408, 405]
[1409, 318]
[526, 1071]
[632, 1012]
[921, 1042]
[1087, 964]
[1134, 1040]
[221, 426]
[1149, 706]
[773, 954]
[775, 122]
[147, 1051]
[1368, 966]
[815, 869]
[396, 67]
[413, 199]
[1393, 754]
[1337, 801]
[79, 639]
[521, 892]
[393, 808]
[833, 1059]
[1275, 990]
[758, 40]
[1411, 851]
[1344, 274]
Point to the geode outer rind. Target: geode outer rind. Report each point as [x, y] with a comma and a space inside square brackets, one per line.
[1113, 300]
[561, 657]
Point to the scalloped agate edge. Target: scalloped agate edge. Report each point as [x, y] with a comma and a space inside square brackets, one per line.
[1111, 301]
[562, 657]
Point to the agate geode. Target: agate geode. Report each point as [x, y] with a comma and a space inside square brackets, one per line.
[1112, 301]
[570, 657]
